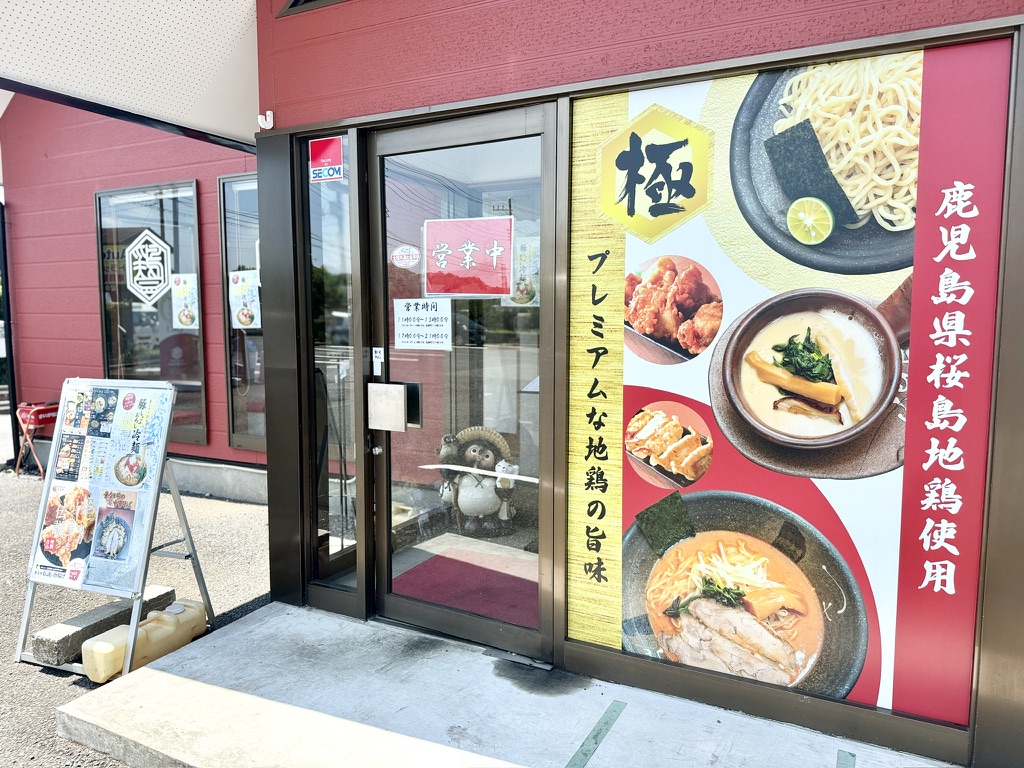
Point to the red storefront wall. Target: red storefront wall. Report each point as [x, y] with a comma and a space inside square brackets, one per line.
[55, 159]
[365, 57]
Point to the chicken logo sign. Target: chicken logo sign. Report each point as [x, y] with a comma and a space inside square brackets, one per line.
[147, 263]
[655, 173]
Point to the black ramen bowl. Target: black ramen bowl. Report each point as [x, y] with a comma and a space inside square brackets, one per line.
[845, 643]
[813, 300]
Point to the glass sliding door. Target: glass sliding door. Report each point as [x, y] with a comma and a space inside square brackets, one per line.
[461, 521]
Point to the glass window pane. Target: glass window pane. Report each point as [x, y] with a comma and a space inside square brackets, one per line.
[334, 373]
[247, 400]
[463, 536]
[149, 250]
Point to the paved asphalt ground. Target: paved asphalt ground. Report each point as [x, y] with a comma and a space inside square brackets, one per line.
[231, 540]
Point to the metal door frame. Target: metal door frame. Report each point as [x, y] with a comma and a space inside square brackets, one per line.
[537, 120]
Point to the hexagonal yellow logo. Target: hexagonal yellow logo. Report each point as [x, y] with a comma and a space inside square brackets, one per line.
[656, 173]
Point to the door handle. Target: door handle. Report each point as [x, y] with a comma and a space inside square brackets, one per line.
[393, 407]
[377, 450]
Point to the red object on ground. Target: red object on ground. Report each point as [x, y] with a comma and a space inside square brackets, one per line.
[33, 419]
[473, 587]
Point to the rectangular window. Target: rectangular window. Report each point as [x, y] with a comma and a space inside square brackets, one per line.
[243, 326]
[297, 6]
[150, 283]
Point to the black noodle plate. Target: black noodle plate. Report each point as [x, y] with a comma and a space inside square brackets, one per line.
[657, 474]
[671, 349]
[868, 249]
[846, 628]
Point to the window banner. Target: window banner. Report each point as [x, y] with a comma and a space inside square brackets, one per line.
[763, 481]
[468, 257]
[244, 299]
[185, 301]
[594, 487]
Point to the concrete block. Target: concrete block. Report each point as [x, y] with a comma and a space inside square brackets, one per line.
[221, 481]
[61, 644]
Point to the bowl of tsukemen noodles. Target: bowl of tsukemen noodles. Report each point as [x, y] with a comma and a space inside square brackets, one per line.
[814, 368]
[739, 585]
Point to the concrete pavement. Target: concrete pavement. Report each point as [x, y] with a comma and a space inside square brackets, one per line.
[276, 685]
[288, 686]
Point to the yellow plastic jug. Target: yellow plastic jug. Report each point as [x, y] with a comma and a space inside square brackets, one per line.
[159, 633]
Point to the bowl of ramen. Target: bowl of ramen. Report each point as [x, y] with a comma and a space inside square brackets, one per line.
[738, 585]
[812, 368]
[130, 469]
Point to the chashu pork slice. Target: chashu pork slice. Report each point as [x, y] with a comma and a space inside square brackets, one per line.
[745, 630]
[699, 646]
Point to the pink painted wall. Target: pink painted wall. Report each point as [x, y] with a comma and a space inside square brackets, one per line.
[55, 159]
[365, 57]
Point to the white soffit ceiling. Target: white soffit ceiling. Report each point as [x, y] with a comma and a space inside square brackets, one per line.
[191, 63]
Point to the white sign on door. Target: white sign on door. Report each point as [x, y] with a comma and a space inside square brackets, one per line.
[423, 324]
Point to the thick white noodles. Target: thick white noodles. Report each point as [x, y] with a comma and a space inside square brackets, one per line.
[866, 114]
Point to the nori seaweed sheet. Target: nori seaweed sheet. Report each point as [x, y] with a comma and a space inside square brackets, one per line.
[665, 522]
[802, 170]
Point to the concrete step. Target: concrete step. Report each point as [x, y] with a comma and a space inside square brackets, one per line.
[222, 728]
[286, 686]
[62, 643]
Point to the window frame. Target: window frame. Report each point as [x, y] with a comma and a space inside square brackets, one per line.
[236, 437]
[176, 434]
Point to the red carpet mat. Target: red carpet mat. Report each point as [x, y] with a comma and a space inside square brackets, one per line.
[490, 585]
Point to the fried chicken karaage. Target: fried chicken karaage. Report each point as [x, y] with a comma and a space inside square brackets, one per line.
[665, 303]
[696, 334]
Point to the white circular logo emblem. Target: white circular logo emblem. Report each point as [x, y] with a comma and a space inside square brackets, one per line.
[405, 256]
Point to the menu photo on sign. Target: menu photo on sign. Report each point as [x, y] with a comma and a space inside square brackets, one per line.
[103, 484]
[778, 439]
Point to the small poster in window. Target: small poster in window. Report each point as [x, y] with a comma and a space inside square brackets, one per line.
[525, 274]
[185, 302]
[244, 299]
[326, 162]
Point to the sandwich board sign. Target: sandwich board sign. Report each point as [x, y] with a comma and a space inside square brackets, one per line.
[102, 485]
[97, 513]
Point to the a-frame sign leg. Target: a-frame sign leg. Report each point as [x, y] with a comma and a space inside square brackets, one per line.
[186, 533]
[163, 551]
[30, 597]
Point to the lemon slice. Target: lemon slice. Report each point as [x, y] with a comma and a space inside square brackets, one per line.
[810, 220]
